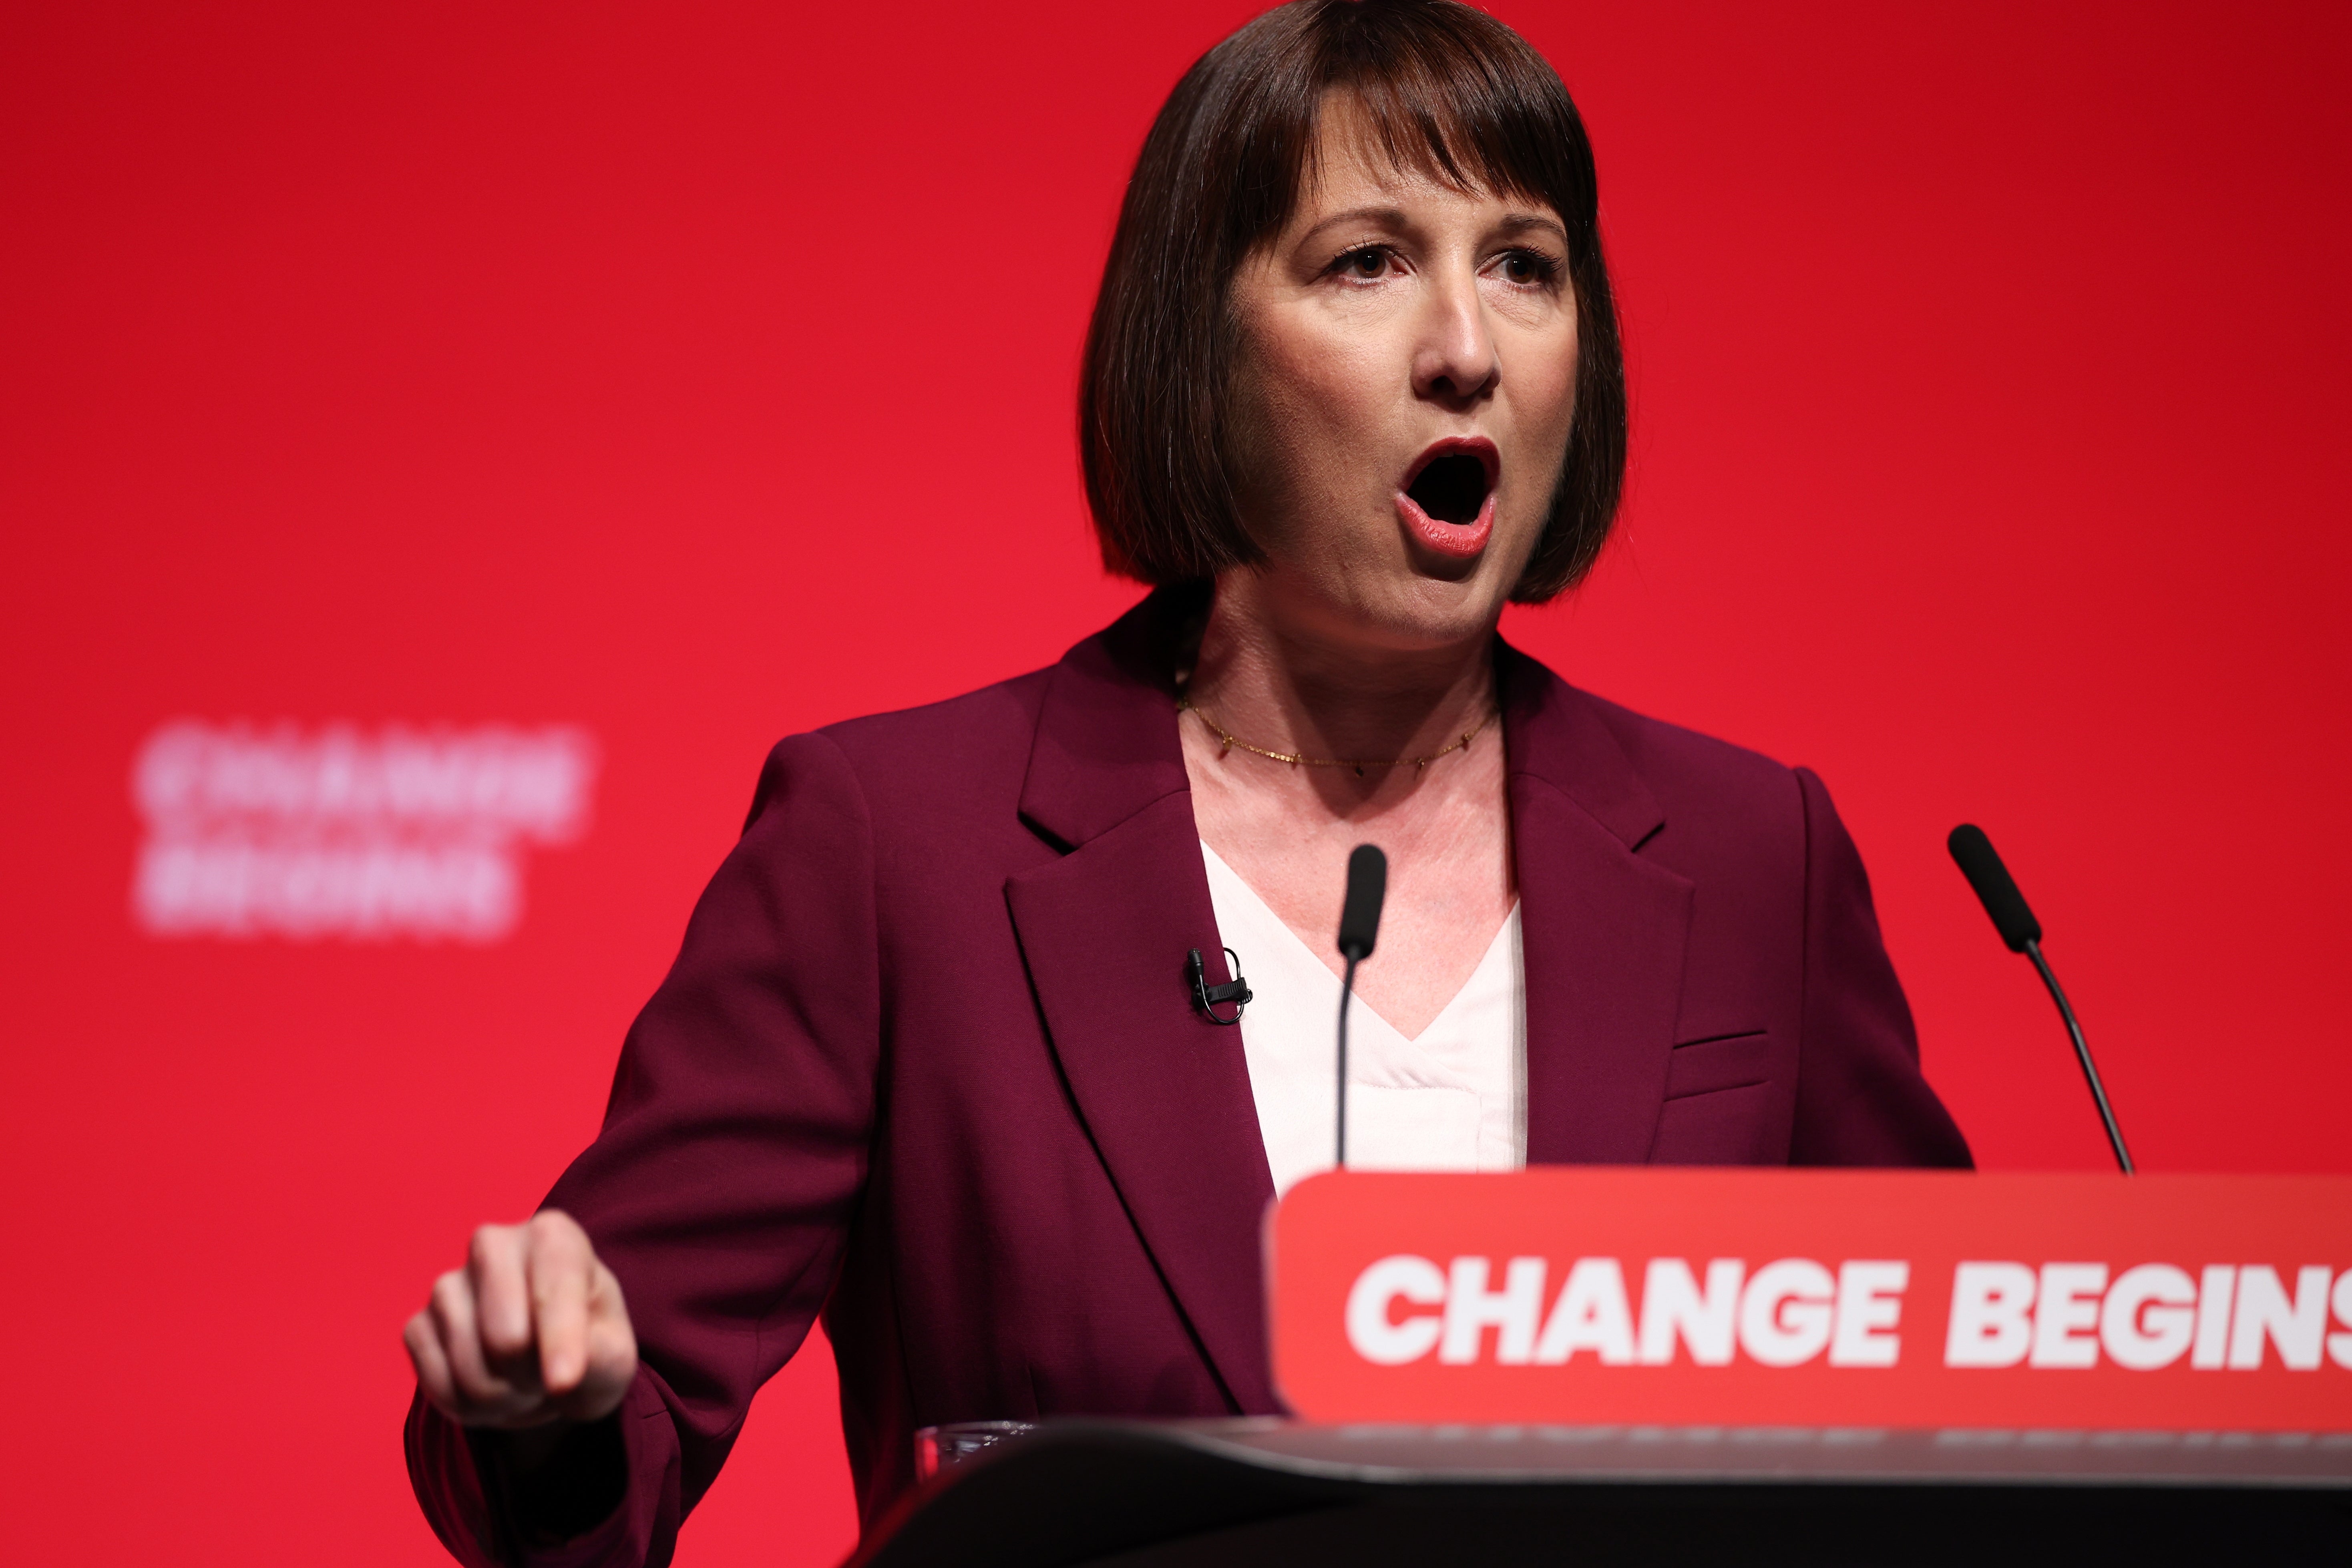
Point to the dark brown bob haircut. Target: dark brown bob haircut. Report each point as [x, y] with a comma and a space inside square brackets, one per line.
[1447, 91]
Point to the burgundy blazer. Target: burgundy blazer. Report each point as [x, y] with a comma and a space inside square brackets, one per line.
[928, 1063]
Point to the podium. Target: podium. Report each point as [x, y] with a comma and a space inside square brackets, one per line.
[1258, 1494]
[1606, 1367]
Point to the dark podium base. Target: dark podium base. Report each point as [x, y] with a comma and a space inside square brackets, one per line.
[1246, 1494]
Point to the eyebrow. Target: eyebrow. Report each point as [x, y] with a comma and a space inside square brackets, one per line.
[1394, 217]
[1520, 223]
[1391, 217]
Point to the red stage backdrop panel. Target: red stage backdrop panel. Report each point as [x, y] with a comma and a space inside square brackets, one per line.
[442, 446]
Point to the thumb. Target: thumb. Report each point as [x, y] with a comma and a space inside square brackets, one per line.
[609, 1354]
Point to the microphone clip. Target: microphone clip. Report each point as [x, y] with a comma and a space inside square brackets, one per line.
[1208, 998]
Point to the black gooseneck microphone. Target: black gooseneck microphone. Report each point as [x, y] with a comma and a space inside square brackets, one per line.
[1997, 890]
[1359, 924]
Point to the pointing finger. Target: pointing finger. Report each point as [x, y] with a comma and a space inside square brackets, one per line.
[494, 1267]
[611, 1363]
[561, 1271]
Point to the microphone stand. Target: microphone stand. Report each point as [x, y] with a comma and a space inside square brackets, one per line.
[2082, 1053]
[1347, 995]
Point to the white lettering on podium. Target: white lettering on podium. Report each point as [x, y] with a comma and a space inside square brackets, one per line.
[2295, 1327]
[1672, 1304]
[1787, 1312]
[1869, 1306]
[1590, 1315]
[2003, 1313]
[2066, 1314]
[2215, 1291]
[2149, 1317]
[1385, 1341]
[2068, 1304]
[1991, 1323]
[1471, 1309]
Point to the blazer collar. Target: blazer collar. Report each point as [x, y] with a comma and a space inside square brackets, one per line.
[1106, 745]
[1602, 929]
[1105, 930]
[1554, 733]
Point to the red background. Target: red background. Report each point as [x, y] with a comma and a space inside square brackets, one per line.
[700, 373]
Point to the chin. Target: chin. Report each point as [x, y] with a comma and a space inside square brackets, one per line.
[1380, 592]
[1429, 612]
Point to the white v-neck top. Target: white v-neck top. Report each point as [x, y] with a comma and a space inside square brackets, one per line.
[1454, 1097]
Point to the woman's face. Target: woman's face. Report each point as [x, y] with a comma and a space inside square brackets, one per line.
[1405, 377]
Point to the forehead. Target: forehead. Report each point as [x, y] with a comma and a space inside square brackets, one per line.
[1357, 154]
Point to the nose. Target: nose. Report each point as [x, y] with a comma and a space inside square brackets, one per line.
[1454, 361]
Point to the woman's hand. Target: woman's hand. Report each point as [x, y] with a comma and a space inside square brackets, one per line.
[532, 1331]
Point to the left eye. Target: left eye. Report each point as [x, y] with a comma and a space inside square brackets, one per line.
[1520, 267]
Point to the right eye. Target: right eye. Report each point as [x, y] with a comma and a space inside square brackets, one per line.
[1364, 263]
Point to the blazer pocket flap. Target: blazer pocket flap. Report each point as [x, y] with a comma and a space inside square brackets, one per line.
[1724, 1061]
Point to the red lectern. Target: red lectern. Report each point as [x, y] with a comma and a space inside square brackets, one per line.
[1604, 1367]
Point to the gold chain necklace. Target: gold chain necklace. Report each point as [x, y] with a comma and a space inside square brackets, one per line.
[1228, 742]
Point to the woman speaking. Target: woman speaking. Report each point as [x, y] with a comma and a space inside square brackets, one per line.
[934, 1061]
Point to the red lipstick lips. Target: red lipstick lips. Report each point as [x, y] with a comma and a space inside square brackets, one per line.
[1447, 500]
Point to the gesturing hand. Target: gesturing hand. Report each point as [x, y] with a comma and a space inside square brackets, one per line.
[532, 1331]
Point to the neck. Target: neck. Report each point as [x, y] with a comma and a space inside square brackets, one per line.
[1294, 683]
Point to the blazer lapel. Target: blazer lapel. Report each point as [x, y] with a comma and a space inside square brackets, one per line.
[1604, 930]
[1105, 929]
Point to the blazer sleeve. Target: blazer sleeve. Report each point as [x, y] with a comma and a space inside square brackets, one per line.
[1861, 1099]
[720, 1189]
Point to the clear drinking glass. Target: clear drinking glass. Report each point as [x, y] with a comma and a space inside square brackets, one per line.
[937, 1447]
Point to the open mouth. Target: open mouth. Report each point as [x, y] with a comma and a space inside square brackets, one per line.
[1448, 500]
[1451, 489]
